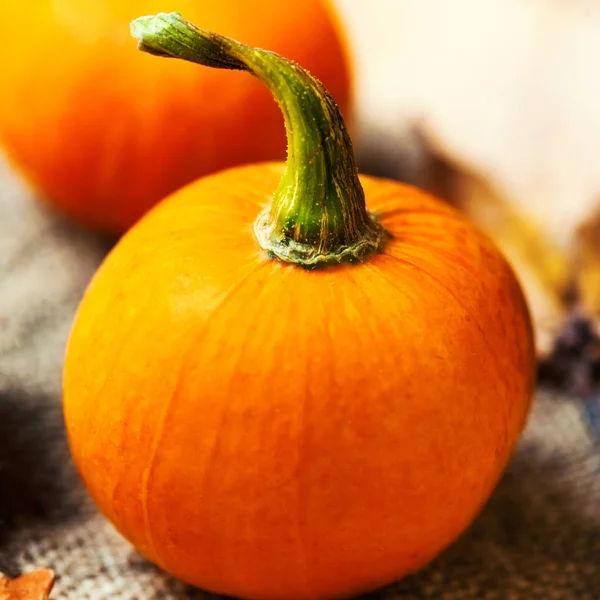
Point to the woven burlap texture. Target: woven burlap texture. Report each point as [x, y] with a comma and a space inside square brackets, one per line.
[537, 539]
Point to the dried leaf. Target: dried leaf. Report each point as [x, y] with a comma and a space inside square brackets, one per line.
[31, 586]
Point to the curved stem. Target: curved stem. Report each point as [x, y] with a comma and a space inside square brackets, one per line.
[318, 214]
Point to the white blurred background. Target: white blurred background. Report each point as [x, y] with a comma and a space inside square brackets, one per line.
[507, 94]
[509, 88]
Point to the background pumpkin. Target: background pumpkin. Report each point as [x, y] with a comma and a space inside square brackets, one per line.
[104, 132]
[270, 431]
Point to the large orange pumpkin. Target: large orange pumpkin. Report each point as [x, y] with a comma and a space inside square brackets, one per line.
[104, 132]
[307, 404]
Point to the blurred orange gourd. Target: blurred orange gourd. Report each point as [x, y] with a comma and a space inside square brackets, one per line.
[104, 132]
[276, 394]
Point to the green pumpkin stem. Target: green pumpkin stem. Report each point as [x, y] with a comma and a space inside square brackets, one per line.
[318, 214]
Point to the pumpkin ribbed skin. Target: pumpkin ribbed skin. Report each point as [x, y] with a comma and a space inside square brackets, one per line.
[103, 131]
[269, 432]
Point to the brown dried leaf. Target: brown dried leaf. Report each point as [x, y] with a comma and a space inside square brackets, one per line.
[31, 586]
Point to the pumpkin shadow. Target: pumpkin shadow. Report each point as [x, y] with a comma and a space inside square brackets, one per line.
[64, 230]
[48, 222]
[38, 483]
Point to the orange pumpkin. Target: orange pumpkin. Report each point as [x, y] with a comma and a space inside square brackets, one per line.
[304, 405]
[104, 132]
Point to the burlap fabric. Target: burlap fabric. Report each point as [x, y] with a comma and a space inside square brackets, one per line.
[538, 538]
